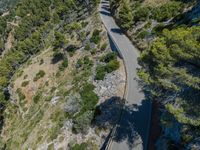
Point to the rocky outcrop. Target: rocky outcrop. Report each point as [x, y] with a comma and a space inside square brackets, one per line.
[109, 86]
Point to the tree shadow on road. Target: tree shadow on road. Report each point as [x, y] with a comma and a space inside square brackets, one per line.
[105, 13]
[117, 30]
[106, 8]
[130, 127]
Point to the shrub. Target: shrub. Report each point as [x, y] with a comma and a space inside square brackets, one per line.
[100, 72]
[81, 123]
[93, 52]
[108, 57]
[143, 34]
[59, 40]
[85, 62]
[25, 83]
[64, 64]
[41, 61]
[104, 46]
[37, 97]
[39, 75]
[82, 146]
[158, 29]
[141, 14]
[96, 36]
[20, 94]
[112, 66]
[57, 56]
[87, 47]
[89, 98]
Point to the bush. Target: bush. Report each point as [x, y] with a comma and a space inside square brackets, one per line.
[25, 83]
[89, 98]
[141, 14]
[82, 123]
[93, 52]
[104, 46]
[37, 97]
[20, 94]
[112, 66]
[82, 146]
[84, 62]
[108, 57]
[143, 34]
[87, 47]
[64, 64]
[59, 40]
[39, 75]
[57, 56]
[96, 36]
[100, 72]
[158, 29]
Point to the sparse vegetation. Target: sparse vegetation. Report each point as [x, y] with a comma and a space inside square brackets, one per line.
[41, 45]
[39, 75]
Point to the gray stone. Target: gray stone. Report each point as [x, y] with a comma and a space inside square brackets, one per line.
[54, 100]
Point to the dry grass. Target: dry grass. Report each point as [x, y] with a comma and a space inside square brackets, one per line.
[30, 71]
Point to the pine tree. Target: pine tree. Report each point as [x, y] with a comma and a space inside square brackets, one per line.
[126, 15]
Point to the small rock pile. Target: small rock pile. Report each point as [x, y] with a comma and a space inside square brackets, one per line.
[108, 87]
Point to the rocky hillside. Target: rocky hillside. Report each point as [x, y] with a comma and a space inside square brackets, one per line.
[59, 77]
[168, 34]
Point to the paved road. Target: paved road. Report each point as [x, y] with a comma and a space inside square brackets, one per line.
[133, 129]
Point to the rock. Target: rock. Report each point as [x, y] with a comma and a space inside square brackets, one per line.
[68, 124]
[109, 86]
[92, 45]
[54, 100]
[72, 105]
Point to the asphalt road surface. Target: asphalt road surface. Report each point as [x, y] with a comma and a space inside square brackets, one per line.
[133, 129]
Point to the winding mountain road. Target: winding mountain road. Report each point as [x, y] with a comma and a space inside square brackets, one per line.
[133, 129]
